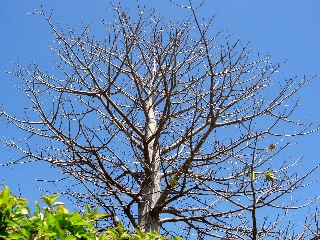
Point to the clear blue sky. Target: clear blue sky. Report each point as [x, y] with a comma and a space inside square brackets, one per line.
[287, 29]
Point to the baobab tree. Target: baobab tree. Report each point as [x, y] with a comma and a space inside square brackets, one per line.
[167, 124]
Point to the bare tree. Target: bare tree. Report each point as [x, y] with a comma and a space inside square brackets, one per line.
[166, 124]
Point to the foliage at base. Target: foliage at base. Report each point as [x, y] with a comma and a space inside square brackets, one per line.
[54, 221]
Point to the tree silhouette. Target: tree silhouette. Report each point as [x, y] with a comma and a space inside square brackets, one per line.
[166, 124]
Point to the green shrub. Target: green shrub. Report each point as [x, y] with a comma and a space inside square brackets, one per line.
[54, 221]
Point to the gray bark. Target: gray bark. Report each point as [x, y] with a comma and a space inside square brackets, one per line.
[149, 219]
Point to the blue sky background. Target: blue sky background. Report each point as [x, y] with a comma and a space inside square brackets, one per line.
[287, 29]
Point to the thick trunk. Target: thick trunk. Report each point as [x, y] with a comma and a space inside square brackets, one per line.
[147, 219]
[151, 192]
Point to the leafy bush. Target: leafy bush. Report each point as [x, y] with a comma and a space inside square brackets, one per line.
[54, 221]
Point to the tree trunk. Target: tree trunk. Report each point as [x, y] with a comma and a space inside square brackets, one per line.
[149, 220]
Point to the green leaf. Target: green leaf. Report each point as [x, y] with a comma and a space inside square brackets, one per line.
[4, 195]
[49, 199]
[58, 204]
[269, 176]
[103, 215]
[88, 209]
[173, 182]
[51, 221]
[37, 207]
[80, 222]
[35, 221]
[103, 236]
[64, 223]
[253, 175]
[20, 201]
[125, 236]
[16, 235]
[113, 233]
[22, 210]
[120, 228]
[138, 231]
[272, 147]
[62, 209]
[11, 223]
[154, 234]
[26, 233]
[70, 238]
